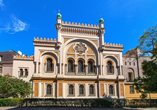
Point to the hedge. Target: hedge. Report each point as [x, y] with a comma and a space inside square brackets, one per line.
[67, 102]
[10, 101]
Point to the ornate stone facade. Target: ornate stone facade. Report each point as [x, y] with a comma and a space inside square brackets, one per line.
[78, 64]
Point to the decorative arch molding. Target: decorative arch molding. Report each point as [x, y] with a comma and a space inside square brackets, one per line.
[51, 54]
[131, 74]
[113, 58]
[70, 58]
[131, 70]
[85, 41]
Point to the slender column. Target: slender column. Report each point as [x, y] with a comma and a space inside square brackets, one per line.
[38, 67]
[34, 67]
[66, 70]
[115, 89]
[56, 69]
[39, 90]
[117, 86]
[86, 69]
[76, 69]
[98, 90]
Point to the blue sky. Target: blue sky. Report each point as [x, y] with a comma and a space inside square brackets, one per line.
[22, 20]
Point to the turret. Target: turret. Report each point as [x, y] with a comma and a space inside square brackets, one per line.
[59, 26]
[59, 18]
[101, 31]
[101, 23]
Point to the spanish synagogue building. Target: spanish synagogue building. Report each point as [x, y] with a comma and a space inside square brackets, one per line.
[78, 64]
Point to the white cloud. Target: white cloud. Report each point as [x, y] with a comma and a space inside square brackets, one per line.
[16, 25]
[1, 4]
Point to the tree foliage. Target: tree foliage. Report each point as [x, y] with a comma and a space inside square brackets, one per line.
[148, 41]
[148, 44]
[13, 87]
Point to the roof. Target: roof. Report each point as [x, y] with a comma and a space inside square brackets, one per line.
[131, 53]
[7, 56]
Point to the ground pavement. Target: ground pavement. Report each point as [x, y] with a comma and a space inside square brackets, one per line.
[72, 108]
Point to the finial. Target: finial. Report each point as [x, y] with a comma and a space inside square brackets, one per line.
[101, 20]
[59, 16]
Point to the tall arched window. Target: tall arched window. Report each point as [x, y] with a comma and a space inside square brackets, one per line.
[21, 72]
[50, 65]
[90, 66]
[91, 90]
[131, 76]
[49, 89]
[71, 89]
[26, 72]
[80, 66]
[81, 90]
[71, 65]
[110, 67]
[111, 90]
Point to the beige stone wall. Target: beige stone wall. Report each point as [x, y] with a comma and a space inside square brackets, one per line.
[17, 64]
[7, 69]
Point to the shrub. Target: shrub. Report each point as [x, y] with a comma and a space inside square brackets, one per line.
[10, 101]
[13, 87]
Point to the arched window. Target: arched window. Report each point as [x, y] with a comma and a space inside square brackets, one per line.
[49, 89]
[111, 90]
[81, 90]
[70, 65]
[90, 66]
[21, 72]
[91, 90]
[131, 76]
[110, 67]
[71, 89]
[50, 65]
[80, 66]
[132, 89]
[26, 72]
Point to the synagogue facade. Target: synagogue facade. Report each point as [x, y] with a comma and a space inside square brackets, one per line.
[78, 64]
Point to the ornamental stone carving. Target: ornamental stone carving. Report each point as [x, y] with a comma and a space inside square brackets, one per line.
[80, 48]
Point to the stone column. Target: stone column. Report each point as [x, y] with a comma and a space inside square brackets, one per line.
[34, 67]
[115, 89]
[38, 67]
[76, 69]
[86, 69]
[39, 89]
[66, 70]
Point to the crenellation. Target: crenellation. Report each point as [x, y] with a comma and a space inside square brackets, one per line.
[113, 45]
[23, 57]
[37, 39]
[79, 24]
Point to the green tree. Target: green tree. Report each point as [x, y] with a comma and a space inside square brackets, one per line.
[148, 44]
[13, 87]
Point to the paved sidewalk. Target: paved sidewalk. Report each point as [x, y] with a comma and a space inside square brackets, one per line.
[72, 108]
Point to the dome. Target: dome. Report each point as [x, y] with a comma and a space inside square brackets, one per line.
[101, 20]
[59, 16]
